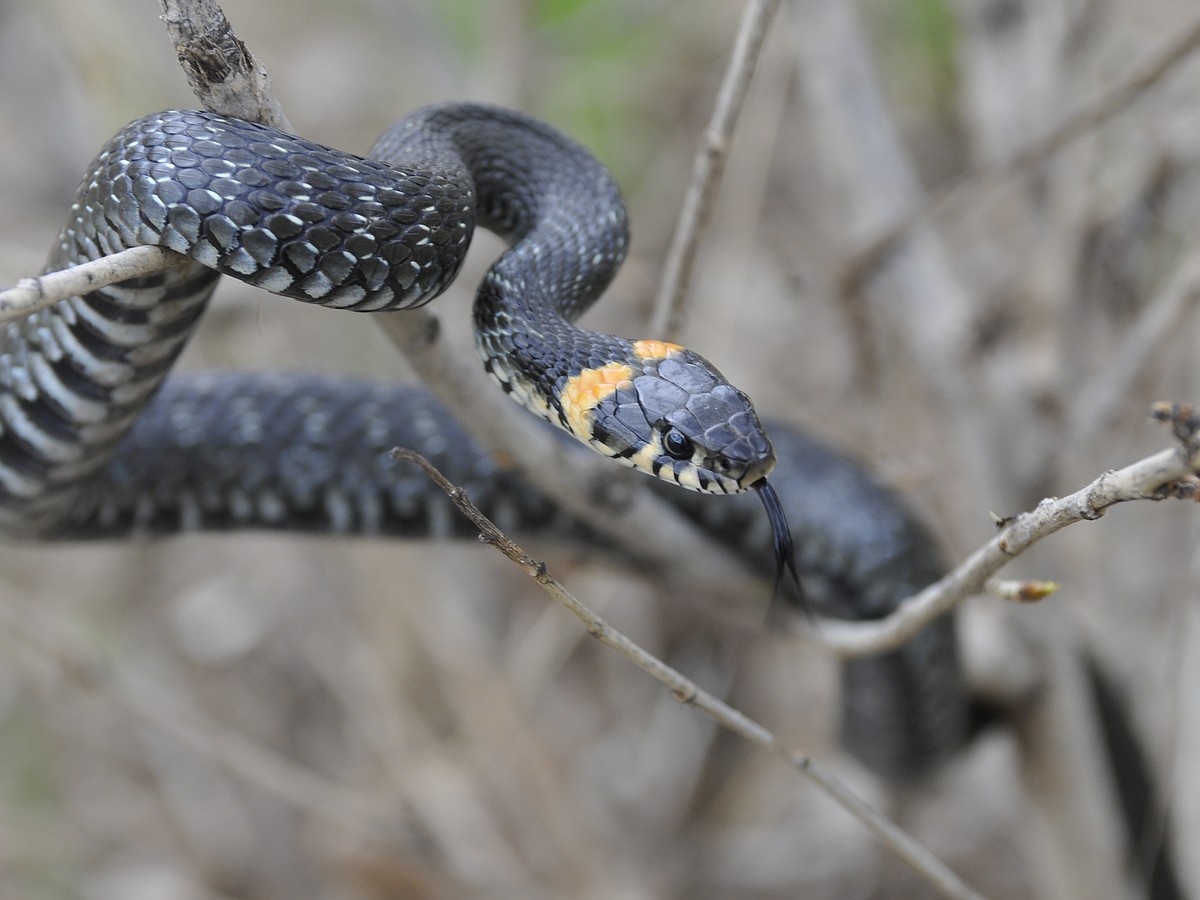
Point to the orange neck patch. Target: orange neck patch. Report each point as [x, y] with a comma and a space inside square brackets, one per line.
[652, 349]
[584, 391]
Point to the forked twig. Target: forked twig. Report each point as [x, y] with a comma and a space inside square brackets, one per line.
[1169, 473]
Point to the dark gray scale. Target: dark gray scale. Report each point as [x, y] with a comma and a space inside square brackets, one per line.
[566, 226]
[281, 212]
[295, 452]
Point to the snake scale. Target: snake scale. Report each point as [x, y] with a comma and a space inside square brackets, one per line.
[97, 442]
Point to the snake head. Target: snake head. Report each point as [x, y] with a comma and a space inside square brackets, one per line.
[667, 411]
[670, 413]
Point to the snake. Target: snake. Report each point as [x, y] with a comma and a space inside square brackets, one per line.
[298, 452]
[99, 440]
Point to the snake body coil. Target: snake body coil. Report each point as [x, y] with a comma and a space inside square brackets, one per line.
[87, 449]
[299, 452]
[382, 233]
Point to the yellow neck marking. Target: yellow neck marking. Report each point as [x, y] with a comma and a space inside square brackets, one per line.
[584, 391]
[652, 349]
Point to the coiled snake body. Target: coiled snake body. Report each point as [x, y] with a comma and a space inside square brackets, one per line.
[382, 233]
[88, 450]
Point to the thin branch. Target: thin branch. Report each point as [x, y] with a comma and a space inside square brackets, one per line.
[1080, 122]
[31, 294]
[708, 167]
[689, 693]
[226, 78]
[1170, 473]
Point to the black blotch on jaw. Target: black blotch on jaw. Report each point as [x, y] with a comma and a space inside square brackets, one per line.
[785, 552]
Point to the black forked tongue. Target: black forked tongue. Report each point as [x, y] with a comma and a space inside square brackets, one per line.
[785, 553]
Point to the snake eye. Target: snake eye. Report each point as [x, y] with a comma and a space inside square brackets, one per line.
[677, 444]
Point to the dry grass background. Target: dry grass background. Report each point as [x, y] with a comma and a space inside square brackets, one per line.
[412, 721]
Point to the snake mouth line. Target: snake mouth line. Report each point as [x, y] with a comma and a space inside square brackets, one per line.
[785, 551]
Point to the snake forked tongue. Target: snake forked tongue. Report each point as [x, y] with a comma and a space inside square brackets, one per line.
[785, 552]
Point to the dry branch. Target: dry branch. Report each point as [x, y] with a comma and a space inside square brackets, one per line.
[1169, 473]
[220, 69]
[31, 294]
[226, 78]
[689, 693]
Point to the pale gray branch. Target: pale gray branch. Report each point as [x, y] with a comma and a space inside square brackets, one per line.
[1147, 479]
[31, 294]
[689, 693]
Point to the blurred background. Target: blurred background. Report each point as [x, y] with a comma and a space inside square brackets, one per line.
[305, 718]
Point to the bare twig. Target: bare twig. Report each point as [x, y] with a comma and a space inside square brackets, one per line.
[707, 168]
[1078, 123]
[689, 693]
[31, 294]
[1169, 473]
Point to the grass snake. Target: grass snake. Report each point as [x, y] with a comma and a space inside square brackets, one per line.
[97, 442]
